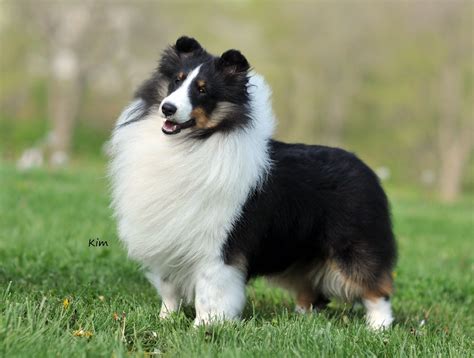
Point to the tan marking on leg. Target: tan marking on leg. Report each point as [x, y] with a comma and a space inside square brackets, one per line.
[334, 283]
[377, 303]
[383, 288]
[297, 280]
[305, 299]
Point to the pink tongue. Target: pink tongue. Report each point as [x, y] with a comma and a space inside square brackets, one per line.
[169, 126]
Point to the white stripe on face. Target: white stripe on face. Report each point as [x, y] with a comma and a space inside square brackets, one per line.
[180, 99]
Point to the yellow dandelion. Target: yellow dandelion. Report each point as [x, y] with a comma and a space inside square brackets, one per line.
[82, 333]
[66, 303]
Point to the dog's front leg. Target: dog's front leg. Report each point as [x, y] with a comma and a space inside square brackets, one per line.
[170, 298]
[220, 293]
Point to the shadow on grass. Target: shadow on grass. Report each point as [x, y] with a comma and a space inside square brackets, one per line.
[266, 302]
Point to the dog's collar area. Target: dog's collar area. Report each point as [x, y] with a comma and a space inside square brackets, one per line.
[170, 127]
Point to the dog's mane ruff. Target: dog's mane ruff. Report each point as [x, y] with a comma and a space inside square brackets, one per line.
[176, 199]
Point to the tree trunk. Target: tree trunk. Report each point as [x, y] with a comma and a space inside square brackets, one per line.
[453, 162]
[64, 97]
[455, 138]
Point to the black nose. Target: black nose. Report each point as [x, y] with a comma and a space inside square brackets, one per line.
[168, 109]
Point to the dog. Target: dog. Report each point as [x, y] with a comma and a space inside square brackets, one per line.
[205, 199]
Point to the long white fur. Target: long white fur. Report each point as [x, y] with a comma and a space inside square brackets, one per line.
[176, 200]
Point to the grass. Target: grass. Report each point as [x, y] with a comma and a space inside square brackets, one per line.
[59, 297]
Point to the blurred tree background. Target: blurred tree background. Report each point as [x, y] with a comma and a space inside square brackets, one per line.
[391, 81]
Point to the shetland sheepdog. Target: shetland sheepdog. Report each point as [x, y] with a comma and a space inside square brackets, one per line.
[205, 199]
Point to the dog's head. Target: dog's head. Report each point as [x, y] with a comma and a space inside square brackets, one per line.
[199, 92]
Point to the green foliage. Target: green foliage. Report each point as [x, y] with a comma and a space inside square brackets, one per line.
[88, 141]
[47, 218]
[363, 75]
[17, 134]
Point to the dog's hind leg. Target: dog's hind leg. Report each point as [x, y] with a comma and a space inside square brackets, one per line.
[305, 299]
[310, 300]
[360, 282]
[301, 281]
[376, 301]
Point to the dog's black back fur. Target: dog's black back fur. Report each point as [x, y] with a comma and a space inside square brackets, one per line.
[317, 203]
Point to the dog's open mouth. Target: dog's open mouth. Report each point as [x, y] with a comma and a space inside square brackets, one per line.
[170, 127]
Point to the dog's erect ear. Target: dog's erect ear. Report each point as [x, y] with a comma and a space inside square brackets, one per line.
[187, 44]
[233, 61]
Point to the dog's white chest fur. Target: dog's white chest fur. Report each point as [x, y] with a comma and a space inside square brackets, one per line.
[176, 199]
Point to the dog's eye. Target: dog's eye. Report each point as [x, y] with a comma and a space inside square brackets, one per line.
[202, 89]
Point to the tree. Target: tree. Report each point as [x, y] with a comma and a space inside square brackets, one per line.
[78, 39]
[455, 135]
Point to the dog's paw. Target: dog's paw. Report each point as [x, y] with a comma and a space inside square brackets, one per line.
[213, 320]
[199, 322]
[379, 322]
[304, 310]
[165, 314]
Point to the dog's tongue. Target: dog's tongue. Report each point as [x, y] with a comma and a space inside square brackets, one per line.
[170, 127]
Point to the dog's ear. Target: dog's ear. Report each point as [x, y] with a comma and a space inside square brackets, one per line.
[187, 45]
[232, 61]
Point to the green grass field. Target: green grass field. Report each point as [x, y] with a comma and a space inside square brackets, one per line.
[59, 297]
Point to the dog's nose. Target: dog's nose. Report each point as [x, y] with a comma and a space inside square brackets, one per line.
[168, 109]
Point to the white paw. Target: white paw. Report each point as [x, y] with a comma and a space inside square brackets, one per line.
[199, 322]
[379, 322]
[206, 321]
[165, 313]
[304, 310]
[379, 313]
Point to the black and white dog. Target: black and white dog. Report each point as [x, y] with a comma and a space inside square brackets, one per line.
[205, 199]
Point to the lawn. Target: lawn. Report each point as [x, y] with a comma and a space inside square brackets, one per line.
[60, 297]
